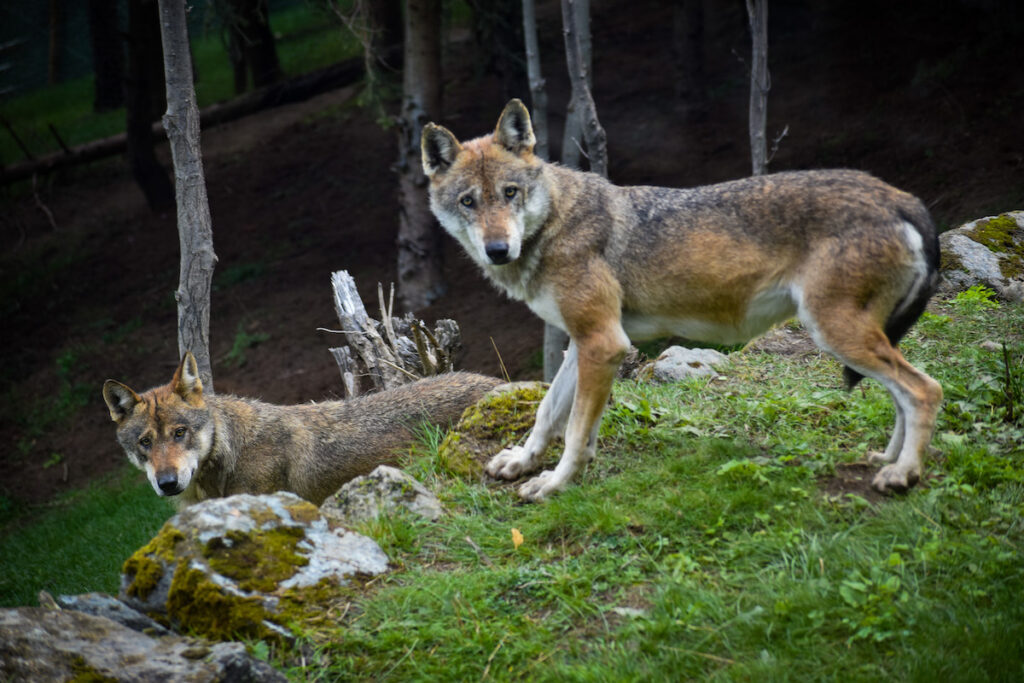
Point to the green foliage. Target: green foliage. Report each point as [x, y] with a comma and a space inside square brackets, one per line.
[977, 298]
[243, 341]
[79, 544]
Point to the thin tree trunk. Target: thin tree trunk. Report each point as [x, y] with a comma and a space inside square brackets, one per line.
[195, 230]
[420, 280]
[555, 340]
[579, 74]
[760, 84]
[140, 107]
[538, 89]
[688, 56]
[107, 55]
[572, 135]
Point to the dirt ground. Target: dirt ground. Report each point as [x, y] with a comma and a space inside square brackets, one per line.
[929, 101]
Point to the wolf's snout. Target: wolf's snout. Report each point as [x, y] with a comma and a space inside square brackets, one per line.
[497, 251]
[167, 480]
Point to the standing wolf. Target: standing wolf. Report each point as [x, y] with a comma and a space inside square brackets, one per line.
[853, 258]
[198, 447]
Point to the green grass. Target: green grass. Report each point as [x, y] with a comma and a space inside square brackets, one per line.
[699, 545]
[78, 544]
[308, 38]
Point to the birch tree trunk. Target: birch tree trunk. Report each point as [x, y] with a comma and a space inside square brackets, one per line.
[194, 225]
[420, 280]
[538, 88]
[583, 102]
[572, 136]
[555, 340]
[760, 84]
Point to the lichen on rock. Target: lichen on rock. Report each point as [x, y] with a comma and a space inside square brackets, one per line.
[246, 566]
[988, 251]
[500, 419]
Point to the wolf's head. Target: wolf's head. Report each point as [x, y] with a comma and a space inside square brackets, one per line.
[166, 431]
[487, 192]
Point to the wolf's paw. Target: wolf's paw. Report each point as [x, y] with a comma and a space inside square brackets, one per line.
[541, 487]
[511, 463]
[880, 458]
[893, 479]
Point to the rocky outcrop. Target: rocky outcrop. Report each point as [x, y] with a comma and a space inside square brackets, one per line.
[678, 362]
[39, 644]
[988, 251]
[244, 566]
[383, 491]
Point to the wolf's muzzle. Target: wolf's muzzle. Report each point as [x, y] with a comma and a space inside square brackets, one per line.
[167, 480]
[497, 252]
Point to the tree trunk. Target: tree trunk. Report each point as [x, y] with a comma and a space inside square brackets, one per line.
[579, 74]
[572, 135]
[760, 84]
[107, 55]
[538, 89]
[141, 107]
[420, 280]
[688, 56]
[258, 42]
[555, 340]
[195, 230]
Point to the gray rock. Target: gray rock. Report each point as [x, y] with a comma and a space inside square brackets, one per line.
[384, 490]
[678, 362]
[39, 644]
[988, 251]
[245, 566]
[103, 605]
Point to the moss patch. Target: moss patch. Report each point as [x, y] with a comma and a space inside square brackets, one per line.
[1003, 236]
[257, 561]
[146, 566]
[205, 607]
[494, 423]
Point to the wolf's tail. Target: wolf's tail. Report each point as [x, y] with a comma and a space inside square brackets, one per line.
[912, 305]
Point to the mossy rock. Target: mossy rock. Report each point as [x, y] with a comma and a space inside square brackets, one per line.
[247, 566]
[502, 418]
[1003, 235]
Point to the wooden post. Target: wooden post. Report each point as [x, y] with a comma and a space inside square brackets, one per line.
[195, 230]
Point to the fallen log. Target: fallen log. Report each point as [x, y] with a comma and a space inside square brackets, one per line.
[290, 91]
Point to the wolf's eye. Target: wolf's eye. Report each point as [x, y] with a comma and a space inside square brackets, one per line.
[179, 432]
[467, 201]
[511, 191]
[146, 442]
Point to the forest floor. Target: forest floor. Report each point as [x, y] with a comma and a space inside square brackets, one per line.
[928, 101]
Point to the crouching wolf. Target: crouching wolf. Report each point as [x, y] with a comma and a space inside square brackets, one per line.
[852, 257]
[198, 447]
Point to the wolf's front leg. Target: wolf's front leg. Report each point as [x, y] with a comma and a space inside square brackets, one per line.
[515, 461]
[599, 357]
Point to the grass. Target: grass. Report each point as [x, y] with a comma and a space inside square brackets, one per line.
[78, 544]
[308, 37]
[700, 544]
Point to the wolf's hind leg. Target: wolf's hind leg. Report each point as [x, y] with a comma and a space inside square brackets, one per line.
[857, 340]
[552, 415]
[899, 432]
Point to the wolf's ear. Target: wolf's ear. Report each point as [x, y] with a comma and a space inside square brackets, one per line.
[186, 380]
[120, 399]
[515, 131]
[438, 147]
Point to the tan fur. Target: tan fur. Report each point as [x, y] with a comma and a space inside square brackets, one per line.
[855, 259]
[203, 446]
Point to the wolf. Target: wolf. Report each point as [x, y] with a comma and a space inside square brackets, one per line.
[853, 258]
[193, 446]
